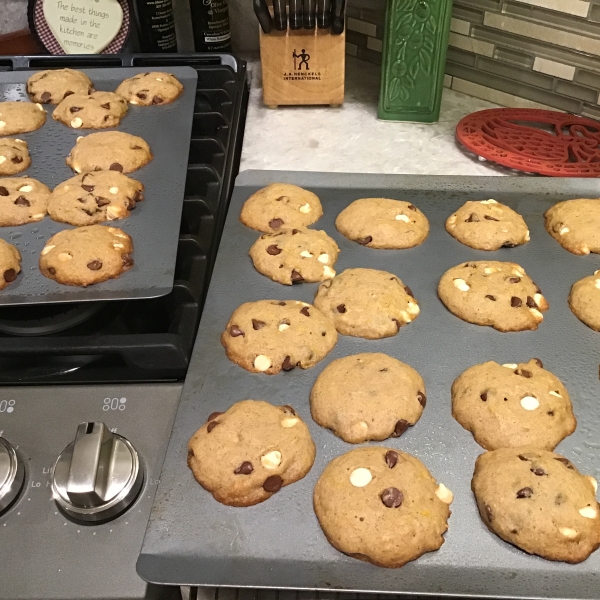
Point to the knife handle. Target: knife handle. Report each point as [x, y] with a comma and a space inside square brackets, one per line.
[338, 16]
[308, 14]
[295, 14]
[261, 10]
[280, 14]
[323, 13]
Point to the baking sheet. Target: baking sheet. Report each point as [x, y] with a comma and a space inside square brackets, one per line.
[192, 539]
[153, 225]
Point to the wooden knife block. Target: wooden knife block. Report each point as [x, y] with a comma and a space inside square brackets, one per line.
[303, 67]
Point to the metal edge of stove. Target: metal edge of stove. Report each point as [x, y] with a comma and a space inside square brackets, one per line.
[238, 570]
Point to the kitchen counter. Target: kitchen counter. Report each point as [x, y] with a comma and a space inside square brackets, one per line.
[351, 139]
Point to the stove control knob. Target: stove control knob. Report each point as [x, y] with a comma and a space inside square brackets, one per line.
[98, 476]
[12, 475]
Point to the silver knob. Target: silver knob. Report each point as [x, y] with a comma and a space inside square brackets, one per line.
[98, 476]
[12, 475]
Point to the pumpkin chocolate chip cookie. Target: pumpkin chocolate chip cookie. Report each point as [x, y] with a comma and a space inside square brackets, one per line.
[53, 86]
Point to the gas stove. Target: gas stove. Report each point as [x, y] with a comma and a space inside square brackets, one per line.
[79, 463]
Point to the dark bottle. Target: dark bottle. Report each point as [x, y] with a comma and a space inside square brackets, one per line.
[210, 21]
[157, 25]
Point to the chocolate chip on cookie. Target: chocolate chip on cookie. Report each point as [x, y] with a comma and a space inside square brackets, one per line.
[53, 86]
[22, 200]
[575, 225]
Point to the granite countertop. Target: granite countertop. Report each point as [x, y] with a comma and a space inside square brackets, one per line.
[351, 139]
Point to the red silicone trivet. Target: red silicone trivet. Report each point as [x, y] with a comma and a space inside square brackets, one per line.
[536, 141]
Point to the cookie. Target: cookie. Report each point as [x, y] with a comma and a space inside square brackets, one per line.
[109, 151]
[575, 225]
[94, 197]
[14, 156]
[487, 225]
[98, 110]
[86, 255]
[367, 397]
[383, 223]
[367, 303]
[382, 506]
[279, 205]
[52, 86]
[10, 263]
[505, 406]
[584, 300]
[295, 255]
[273, 335]
[146, 89]
[498, 294]
[20, 117]
[538, 501]
[22, 200]
[248, 453]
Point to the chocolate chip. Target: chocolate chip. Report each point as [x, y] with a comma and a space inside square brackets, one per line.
[489, 218]
[488, 513]
[52, 270]
[45, 96]
[516, 302]
[235, 331]
[411, 207]
[213, 416]
[383, 370]
[275, 223]
[139, 196]
[94, 265]
[116, 167]
[141, 95]
[211, 426]
[508, 245]
[364, 241]
[136, 147]
[538, 471]
[400, 428]
[287, 408]
[100, 201]
[513, 279]
[531, 302]
[17, 160]
[422, 398]
[484, 396]
[87, 188]
[473, 218]
[279, 303]
[305, 312]
[256, 324]
[106, 118]
[244, 469]
[565, 462]
[287, 364]
[526, 492]
[392, 497]
[398, 324]
[341, 308]
[10, 275]
[408, 291]
[537, 289]
[89, 212]
[524, 458]
[273, 250]
[3, 191]
[75, 109]
[22, 201]
[69, 93]
[157, 100]
[295, 231]
[490, 297]
[524, 373]
[550, 413]
[560, 499]
[539, 363]
[127, 261]
[272, 484]
[391, 458]
[106, 105]
[296, 277]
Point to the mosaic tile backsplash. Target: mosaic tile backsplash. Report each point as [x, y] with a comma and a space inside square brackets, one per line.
[517, 53]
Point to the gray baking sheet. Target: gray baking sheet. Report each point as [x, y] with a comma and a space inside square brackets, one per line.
[153, 225]
[192, 539]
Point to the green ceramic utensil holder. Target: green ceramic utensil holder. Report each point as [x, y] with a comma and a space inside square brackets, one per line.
[414, 57]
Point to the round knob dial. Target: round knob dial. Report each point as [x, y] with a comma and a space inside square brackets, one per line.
[98, 476]
[12, 475]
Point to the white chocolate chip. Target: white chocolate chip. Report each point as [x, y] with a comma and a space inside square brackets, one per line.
[510, 366]
[527, 236]
[489, 270]
[262, 363]
[38, 216]
[305, 254]
[76, 122]
[26, 188]
[328, 272]
[283, 327]
[452, 219]
[116, 245]
[538, 299]
[552, 393]
[589, 512]
[114, 190]
[461, 285]
[530, 403]
[444, 494]
[305, 209]
[564, 230]
[324, 258]
[585, 249]
[568, 532]
[360, 477]
[132, 102]
[490, 201]
[47, 249]
[288, 422]
[20, 141]
[405, 316]
[596, 272]
[77, 169]
[158, 79]
[403, 218]
[413, 308]
[79, 138]
[271, 460]
[304, 303]
[2, 159]
[597, 283]
[64, 256]
[593, 482]
[39, 106]
[115, 212]
[518, 271]
[2, 124]
[537, 314]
